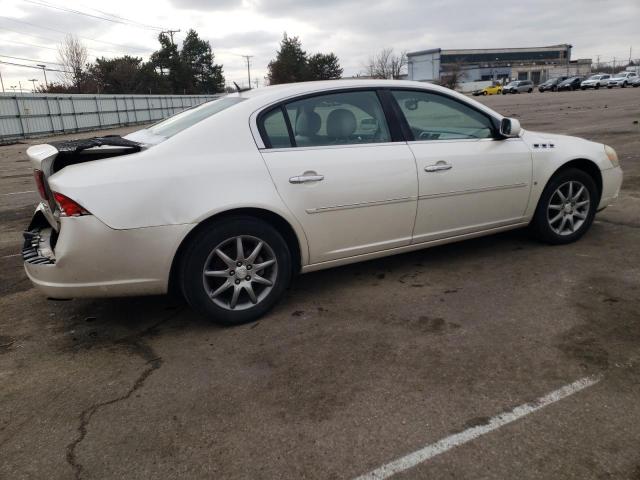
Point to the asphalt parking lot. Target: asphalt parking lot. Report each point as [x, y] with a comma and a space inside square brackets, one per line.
[496, 358]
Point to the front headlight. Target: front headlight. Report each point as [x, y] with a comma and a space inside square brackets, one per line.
[611, 155]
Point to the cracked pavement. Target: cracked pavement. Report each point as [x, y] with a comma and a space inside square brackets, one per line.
[358, 366]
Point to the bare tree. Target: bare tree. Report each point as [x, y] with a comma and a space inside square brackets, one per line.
[386, 64]
[452, 76]
[73, 55]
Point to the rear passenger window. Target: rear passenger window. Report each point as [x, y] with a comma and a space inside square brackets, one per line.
[332, 119]
[275, 129]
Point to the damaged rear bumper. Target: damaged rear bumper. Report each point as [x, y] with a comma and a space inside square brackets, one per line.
[86, 258]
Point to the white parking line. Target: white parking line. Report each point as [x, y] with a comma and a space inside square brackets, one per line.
[452, 441]
[19, 193]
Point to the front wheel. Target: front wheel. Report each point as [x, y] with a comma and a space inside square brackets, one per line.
[530, 90]
[566, 207]
[484, 93]
[235, 270]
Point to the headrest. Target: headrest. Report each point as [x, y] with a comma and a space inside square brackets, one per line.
[308, 124]
[341, 123]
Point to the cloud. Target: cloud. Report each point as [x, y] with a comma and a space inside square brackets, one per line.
[353, 29]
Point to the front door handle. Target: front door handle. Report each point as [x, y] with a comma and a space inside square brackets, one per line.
[306, 178]
[438, 167]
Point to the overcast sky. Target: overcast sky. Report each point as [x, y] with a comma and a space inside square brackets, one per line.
[352, 29]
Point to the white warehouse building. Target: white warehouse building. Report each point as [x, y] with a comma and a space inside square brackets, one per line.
[474, 65]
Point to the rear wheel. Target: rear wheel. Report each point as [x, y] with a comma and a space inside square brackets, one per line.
[234, 271]
[566, 207]
[530, 90]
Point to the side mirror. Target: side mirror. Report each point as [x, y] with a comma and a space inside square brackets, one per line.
[510, 127]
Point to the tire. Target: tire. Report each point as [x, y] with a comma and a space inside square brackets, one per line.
[583, 88]
[597, 86]
[609, 86]
[530, 90]
[227, 277]
[554, 89]
[484, 93]
[624, 84]
[562, 227]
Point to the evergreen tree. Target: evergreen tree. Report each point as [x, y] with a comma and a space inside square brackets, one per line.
[324, 66]
[200, 74]
[290, 64]
[167, 62]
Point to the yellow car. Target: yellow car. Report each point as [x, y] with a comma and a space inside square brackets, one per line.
[492, 90]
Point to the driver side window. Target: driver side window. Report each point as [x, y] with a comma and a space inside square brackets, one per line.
[437, 117]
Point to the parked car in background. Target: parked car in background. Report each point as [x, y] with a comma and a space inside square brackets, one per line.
[596, 81]
[518, 86]
[622, 79]
[571, 83]
[635, 82]
[491, 90]
[227, 201]
[551, 84]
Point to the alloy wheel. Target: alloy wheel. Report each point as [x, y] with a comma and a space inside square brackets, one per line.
[568, 208]
[240, 272]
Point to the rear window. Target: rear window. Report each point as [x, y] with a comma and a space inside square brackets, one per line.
[183, 120]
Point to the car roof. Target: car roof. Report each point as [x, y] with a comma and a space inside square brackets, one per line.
[277, 92]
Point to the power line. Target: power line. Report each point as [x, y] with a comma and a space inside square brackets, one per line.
[68, 33]
[30, 44]
[37, 68]
[47, 39]
[31, 60]
[98, 17]
[125, 18]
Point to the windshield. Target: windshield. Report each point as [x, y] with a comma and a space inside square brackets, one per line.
[175, 124]
[512, 84]
[594, 77]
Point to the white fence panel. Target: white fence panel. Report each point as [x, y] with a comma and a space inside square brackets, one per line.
[34, 115]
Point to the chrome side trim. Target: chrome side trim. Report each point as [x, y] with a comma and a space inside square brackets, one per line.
[474, 190]
[349, 206]
[409, 248]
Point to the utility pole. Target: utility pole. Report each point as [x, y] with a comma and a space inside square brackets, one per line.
[43, 67]
[1, 82]
[171, 32]
[248, 58]
[256, 81]
[33, 80]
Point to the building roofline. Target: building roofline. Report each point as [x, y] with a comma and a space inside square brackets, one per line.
[486, 50]
[424, 52]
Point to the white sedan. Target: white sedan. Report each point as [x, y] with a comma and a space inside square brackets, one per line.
[226, 202]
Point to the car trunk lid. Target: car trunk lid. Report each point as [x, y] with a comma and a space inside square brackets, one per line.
[47, 159]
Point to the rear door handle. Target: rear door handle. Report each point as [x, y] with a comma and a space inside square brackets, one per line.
[438, 167]
[306, 178]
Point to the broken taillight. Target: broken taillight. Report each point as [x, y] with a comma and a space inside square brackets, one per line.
[68, 207]
[39, 177]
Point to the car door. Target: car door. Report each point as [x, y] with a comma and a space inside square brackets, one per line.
[346, 175]
[468, 180]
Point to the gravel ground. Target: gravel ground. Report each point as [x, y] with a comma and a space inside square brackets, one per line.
[358, 366]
